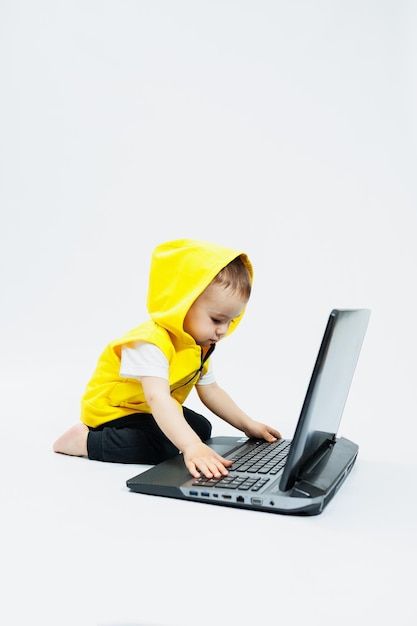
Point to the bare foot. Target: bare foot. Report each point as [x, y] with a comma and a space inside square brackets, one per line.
[73, 442]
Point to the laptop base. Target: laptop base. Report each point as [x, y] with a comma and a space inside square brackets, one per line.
[310, 494]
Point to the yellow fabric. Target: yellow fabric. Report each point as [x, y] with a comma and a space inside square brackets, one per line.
[180, 271]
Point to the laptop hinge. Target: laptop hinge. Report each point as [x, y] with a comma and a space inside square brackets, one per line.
[330, 469]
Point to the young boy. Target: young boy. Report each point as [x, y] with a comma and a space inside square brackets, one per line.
[132, 410]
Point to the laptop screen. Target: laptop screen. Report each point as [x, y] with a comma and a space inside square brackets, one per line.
[328, 390]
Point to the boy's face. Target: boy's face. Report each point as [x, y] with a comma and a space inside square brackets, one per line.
[209, 317]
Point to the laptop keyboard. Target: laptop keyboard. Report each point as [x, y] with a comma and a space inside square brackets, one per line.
[264, 458]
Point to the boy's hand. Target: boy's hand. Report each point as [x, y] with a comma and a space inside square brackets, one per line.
[256, 430]
[199, 456]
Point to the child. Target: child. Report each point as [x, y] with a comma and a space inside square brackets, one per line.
[132, 410]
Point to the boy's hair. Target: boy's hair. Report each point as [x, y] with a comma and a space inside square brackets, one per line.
[236, 276]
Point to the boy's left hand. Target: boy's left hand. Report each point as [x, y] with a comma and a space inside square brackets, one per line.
[256, 430]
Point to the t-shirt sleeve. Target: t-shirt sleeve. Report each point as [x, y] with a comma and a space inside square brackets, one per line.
[208, 378]
[143, 359]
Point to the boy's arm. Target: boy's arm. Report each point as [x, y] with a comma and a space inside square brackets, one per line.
[170, 419]
[221, 404]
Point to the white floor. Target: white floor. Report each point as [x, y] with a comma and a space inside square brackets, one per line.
[79, 548]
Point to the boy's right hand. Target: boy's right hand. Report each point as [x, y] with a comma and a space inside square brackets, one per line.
[198, 457]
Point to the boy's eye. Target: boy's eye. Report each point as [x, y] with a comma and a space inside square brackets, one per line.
[213, 319]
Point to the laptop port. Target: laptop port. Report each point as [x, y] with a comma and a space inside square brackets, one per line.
[240, 499]
[226, 496]
[205, 494]
[256, 500]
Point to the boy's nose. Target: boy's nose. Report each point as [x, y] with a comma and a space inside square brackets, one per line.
[220, 331]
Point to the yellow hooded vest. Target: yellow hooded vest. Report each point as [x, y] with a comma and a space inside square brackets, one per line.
[180, 271]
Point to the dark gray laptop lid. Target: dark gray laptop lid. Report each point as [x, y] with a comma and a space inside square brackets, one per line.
[328, 390]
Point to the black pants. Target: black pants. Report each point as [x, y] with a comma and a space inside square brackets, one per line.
[137, 438]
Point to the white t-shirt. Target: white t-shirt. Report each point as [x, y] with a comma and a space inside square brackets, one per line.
[145, 359]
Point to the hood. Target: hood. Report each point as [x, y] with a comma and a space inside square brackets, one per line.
[180, 271]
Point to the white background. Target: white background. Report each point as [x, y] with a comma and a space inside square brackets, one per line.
[286, 129]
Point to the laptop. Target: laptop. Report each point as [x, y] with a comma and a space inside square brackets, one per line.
[297, 476]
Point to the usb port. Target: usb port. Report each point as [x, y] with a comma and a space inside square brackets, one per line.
[206, 494]
[193, 493]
